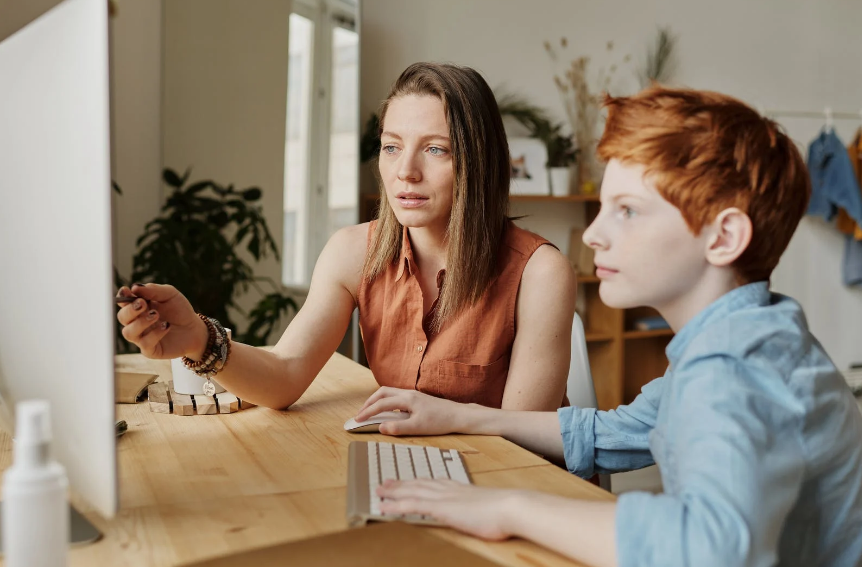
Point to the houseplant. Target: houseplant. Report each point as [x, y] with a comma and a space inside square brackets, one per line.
[562, 154]
[194, 244]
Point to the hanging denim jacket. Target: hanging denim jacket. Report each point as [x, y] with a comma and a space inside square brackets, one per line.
[833, 181]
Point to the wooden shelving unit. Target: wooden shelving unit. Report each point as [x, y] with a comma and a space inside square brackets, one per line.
[622, 359]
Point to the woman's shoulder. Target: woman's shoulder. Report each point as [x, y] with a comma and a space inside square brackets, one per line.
[344, 254]
[523, 241]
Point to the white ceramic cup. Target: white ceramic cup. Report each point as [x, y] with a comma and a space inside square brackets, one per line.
[187, 382]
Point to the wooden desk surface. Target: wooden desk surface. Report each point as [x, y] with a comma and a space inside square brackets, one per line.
[194, 487]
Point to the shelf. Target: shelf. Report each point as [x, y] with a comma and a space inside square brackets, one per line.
[549, 198]
[648, 334]
[522, 198]
[588, 279]
[598, 337]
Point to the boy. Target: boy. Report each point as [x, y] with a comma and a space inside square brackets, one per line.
[757, 436]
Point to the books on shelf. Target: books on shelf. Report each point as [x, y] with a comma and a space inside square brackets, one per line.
[650, 323]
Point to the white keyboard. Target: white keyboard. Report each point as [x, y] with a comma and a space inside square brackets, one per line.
[371, 464]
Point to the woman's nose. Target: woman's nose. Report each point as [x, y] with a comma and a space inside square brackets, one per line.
[408, 168]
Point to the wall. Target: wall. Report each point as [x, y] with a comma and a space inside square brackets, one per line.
[777, 54]
[136, 85]
[224, 101]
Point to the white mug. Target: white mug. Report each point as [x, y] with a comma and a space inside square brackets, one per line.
[187, 382]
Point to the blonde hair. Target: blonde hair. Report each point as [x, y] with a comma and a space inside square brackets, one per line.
[480, 204]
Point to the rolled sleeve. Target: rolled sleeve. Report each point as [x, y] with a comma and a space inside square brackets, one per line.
[576, 425]
[610, 441]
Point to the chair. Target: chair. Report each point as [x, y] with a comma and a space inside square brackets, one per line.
[579, 386]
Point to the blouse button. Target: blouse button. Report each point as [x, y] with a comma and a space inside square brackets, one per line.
[419, 348]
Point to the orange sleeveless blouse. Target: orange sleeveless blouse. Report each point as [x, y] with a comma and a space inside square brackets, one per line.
[467, 360]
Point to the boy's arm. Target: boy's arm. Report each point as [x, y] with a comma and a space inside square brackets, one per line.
[587, 440]
[734, 469]
[611, 441]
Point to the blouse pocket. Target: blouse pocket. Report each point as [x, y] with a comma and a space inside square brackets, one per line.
[473, 383]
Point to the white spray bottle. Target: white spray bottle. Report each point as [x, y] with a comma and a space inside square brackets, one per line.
[35, 522]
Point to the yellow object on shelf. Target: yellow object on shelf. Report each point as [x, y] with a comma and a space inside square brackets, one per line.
[588, 188]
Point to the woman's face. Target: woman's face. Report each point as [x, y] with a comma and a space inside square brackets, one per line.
[416, 161]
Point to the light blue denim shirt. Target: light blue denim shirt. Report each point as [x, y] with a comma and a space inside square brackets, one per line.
[756, 434]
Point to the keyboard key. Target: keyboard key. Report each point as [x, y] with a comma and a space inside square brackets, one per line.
[456, 469]
[420, 462]
[405, 463]
[435, 459]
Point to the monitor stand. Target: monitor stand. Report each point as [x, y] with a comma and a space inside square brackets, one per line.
[81, 530]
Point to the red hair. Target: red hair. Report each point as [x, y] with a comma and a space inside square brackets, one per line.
[706, 152]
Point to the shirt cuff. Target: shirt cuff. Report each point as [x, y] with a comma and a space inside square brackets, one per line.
[577, 426]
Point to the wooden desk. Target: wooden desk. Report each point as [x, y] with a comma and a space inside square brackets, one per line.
[194, 487]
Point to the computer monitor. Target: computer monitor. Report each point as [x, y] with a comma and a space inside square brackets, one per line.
[56, 316]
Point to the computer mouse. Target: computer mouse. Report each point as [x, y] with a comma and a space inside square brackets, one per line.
[373, 425]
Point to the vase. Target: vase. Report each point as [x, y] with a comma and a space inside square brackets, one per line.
[560, 178]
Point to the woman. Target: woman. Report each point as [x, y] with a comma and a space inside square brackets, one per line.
[497, 332]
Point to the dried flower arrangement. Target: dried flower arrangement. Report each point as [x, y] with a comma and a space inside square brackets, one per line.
[581, 103]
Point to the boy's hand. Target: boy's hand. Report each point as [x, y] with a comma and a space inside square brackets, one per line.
[428, 415]
[478, 511]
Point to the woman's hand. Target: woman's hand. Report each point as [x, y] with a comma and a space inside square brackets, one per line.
[428, 415]
[162, 322]
[478, 511]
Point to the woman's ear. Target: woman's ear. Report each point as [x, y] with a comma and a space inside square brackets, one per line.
[731, 234]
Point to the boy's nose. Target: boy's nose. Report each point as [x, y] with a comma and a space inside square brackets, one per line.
[593, 236]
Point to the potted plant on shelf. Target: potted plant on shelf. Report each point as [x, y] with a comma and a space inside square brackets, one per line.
[562, 155]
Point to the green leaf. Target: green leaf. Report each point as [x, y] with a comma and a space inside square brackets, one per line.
[171, 178]
[252, 194]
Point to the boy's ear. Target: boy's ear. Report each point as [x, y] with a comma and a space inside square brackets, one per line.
[731, 234]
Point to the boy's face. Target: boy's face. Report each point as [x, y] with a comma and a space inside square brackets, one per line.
[645, 252]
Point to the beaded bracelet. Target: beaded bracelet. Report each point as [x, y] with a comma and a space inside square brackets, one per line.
[215, 355]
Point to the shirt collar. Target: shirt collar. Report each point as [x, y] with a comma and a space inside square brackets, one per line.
[749, 295]
[405, 260]
[408, 264]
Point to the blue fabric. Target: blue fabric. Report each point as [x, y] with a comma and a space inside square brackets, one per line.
[833, 181]
[851, 266]
[758, 439]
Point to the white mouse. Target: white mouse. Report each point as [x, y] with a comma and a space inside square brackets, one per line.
[373, 425]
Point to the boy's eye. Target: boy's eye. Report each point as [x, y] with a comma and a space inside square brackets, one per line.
[627, 212]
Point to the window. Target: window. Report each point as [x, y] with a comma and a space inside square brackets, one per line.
[322, 141]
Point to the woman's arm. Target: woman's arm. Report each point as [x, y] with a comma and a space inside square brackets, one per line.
[278, 378]
[539, 365]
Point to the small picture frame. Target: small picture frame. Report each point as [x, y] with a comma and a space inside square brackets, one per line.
[529, 158]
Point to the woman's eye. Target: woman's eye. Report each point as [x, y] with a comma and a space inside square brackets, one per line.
[388, 149]
[435, 151]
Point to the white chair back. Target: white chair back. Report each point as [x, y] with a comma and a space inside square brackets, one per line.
[579, 386]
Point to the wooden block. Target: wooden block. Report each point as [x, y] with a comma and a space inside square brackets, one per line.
[227, 402]
[243, 404]
[183, 404]
[206, 405]
[159, 397]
